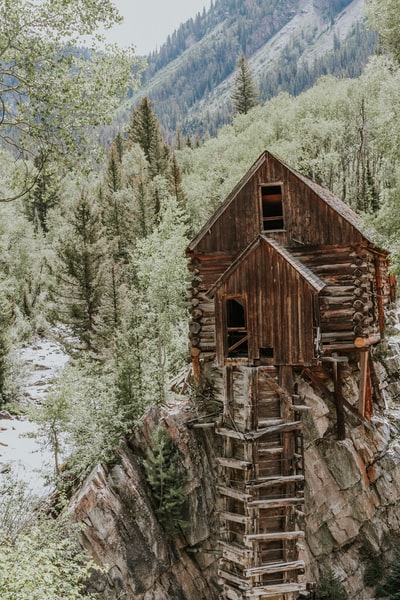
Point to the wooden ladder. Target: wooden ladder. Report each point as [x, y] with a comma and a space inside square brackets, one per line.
[261, 487]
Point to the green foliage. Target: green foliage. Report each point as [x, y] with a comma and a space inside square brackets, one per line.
[81, 420]
[43, 563]
[384, 16]
[167, 480]
[330, 588]
[51, 93]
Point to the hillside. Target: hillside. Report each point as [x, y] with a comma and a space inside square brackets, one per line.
[288, 45]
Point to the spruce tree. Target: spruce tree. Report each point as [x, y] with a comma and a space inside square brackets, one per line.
[44, 195]
[145, 130]
[245, 91]
[79, 271]
[391, 587]
[330, 588]
[166, 480]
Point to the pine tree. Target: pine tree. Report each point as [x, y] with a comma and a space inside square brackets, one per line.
[5, 343]
[391, 587]
[44, 195]
[330, 588]
[80, 271]
[145, 131]
[245, 91]
[175, 179]
[166, 479]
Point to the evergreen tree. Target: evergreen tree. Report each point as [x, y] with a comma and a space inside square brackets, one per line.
[45, 193]
[391, 588]
[330, 588]
[5, 343]
[175, 179]
[166, 479]
[245, 91]
[79, 271]
[145, 130]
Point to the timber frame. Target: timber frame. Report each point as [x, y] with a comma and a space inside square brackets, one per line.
[285, 285]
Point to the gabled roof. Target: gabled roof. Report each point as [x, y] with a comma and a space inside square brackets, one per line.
[313, 280]
[326, 196]
[245, 179]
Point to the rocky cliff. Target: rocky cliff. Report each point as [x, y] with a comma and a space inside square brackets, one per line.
[350, 513]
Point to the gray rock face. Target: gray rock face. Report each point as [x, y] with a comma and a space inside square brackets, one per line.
[121, 530]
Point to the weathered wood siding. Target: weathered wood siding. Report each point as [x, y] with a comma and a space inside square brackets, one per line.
[280, 308]
[308, 219]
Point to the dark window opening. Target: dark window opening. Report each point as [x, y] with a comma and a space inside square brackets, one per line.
[237, 337]
[266, 353]
[272, 208]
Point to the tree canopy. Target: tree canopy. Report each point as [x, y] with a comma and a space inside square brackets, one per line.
[57, 78]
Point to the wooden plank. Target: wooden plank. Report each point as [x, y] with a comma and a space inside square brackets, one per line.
[233, 463]
[274, 480]
[275, 503]
[275, 568]
[280, 535]
[275, 590]
[234, 517]
[363, 354]
[234, 550]
[241, 582]
[238, 435]
[233, 493]
[284, 427]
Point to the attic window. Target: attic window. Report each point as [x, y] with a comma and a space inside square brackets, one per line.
[236, 328]
[272, 208]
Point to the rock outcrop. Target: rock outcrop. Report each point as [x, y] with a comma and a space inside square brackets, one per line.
[121, 530]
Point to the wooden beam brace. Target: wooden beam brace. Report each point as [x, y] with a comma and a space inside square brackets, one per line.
[275, 568]
[275, 503]
[280, 535]
[276, 590]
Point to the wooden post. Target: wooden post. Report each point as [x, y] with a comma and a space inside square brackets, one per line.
[341, 428]
[362, 394]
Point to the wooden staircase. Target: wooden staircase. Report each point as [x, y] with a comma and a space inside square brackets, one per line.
[261, 491]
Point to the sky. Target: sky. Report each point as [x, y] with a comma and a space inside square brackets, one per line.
[147, 23]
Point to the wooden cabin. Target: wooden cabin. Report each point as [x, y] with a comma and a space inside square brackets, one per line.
[285, 284]
[286, 262]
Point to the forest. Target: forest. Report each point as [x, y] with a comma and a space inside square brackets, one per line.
[92, 242]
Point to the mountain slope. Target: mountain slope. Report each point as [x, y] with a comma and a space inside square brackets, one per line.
[288, 44]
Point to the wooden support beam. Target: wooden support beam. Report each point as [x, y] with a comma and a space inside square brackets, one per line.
[234, 553]
[270, 481]
[284, 427]
[262, 423]
[299, 408]
[233, 463]
[341, 424]
[241, 582]
[209, 425]
[275, 503]
[234, 517]
[363, 380]
[275, 568]
[275, 590]
[233, 493]
[280, 535]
